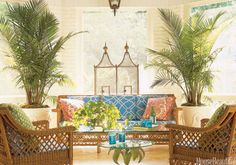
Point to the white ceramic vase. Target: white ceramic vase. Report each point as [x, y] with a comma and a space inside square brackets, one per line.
[36, 114]
[192, 115]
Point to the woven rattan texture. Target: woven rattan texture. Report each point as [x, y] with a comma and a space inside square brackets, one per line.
[20, 146]
[188, 144]
[94, 138]
[41, 125]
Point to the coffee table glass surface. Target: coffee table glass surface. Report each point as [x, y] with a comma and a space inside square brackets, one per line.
[128, 149]
[127, 144]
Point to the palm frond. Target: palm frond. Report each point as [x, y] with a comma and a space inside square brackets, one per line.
[188, 55]
[31, 31]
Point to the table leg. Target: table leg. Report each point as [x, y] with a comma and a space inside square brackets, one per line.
[98, 148]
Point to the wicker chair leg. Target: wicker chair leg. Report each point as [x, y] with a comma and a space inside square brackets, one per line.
[171, 161]
[71, 161]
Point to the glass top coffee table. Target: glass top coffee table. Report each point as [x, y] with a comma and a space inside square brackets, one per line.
[129, 149]
[95, 138]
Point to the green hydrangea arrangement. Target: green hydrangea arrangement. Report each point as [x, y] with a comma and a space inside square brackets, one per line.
[97, 114]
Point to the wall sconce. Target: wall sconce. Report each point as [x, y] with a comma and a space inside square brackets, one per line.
[114, 4]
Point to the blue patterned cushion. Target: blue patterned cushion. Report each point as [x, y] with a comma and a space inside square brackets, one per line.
[126, 105]
[141, 106]
[129, 106]
[86, 98]
[92, 98]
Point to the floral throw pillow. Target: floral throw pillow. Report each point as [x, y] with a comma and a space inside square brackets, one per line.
[163, 106]
[170, 106]
[68, 106]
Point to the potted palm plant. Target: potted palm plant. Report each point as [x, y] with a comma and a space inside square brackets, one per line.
[31, 31]
[186, 60]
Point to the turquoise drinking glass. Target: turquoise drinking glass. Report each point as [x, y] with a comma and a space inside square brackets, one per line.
[112, 137]
[121, 136]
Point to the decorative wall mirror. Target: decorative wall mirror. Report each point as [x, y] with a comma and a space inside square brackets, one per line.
[122, 79]
[127, 75]
[105, 76]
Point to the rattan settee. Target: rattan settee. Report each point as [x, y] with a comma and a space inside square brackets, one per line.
[95, 138]
[21, 146]
[190, 145]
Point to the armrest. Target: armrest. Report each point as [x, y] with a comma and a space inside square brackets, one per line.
[59, 115]
[190, 137]
[176, 112]
[41, 125]
[54, 110]
[67, 129]
[32, 141]
[175, 127]
[204, 122]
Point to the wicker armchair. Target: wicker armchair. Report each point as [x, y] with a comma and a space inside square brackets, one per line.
[21, 146]
[188, 145]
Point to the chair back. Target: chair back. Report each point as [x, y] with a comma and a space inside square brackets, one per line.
[224, 138]
[219, 137]
[12, 141]
[5, 155]
[231, 117]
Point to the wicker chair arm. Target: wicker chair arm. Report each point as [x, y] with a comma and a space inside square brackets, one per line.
[200, 139]
[33, 141]
[204, 122]
[176, 127]
[51, 131]
[67, 129]
[184, 136]
[41, 125]
[54, 110]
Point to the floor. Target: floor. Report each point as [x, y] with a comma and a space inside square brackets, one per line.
[155, 155]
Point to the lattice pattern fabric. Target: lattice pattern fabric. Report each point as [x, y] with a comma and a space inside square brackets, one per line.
[141, 102]
[126, 105]
[19, 115]
[86, 98]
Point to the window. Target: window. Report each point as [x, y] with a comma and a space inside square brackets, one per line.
[7, 86]
[225, 65]
[127, 26]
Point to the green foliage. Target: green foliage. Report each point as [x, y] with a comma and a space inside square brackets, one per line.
[116, 154]
[188, 55]
[127, 154]
[31, 31]
[97, 114]
[153, 112]
[2, 8]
